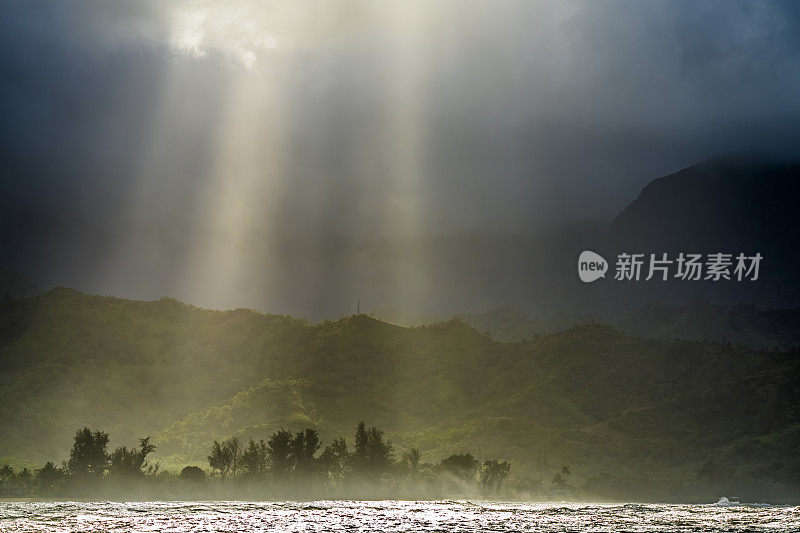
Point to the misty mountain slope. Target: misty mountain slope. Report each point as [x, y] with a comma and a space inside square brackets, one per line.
[738, 324]
[592, 397]
[250, 413]
[128, 366]
[741, 324]
[509, 324]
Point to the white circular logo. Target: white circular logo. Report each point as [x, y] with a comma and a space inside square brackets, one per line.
[591, 266]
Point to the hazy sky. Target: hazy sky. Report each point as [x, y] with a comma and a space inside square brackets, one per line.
[292, 156]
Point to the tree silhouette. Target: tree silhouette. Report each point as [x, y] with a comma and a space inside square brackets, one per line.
[279, 449]
[234, 454]
[6, 474]
[225, 457]
[361, 451]
[334, 461]
[129, 463]
[48, 476]
[255, 458]
[24, 477]
[492, 474]
[302, 449]
[410, 461]
[88, 457]
[462, 466]
[561, 479]
[193, 474]
[217, 460]
[373, 456]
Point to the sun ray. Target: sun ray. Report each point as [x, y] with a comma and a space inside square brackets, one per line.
[242, 194]
[406, 127]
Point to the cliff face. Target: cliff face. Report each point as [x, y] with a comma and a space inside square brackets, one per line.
[723, 204]
[732, 205]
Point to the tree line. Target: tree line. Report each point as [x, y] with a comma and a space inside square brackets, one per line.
[89, 461]
[295, 459]
[287, 462]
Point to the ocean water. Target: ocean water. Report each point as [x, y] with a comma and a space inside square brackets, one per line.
[389, 516]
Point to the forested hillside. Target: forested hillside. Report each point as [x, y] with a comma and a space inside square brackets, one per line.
[614, 407]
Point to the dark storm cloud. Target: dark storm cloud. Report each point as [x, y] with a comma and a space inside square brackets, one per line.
[534, 116]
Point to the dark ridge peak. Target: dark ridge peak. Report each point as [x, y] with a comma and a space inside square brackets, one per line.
[701, 177]
[718, 202]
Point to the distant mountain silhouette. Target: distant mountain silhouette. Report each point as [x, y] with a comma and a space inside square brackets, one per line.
[728, 205]
[720, 204]
[742, 324]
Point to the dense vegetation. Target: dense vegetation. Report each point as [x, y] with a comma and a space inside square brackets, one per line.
[633, 417]
[286, 465]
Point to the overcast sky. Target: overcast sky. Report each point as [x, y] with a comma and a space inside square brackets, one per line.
[287, 155]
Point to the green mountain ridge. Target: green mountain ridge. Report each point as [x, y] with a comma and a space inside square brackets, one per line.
[592, 397]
